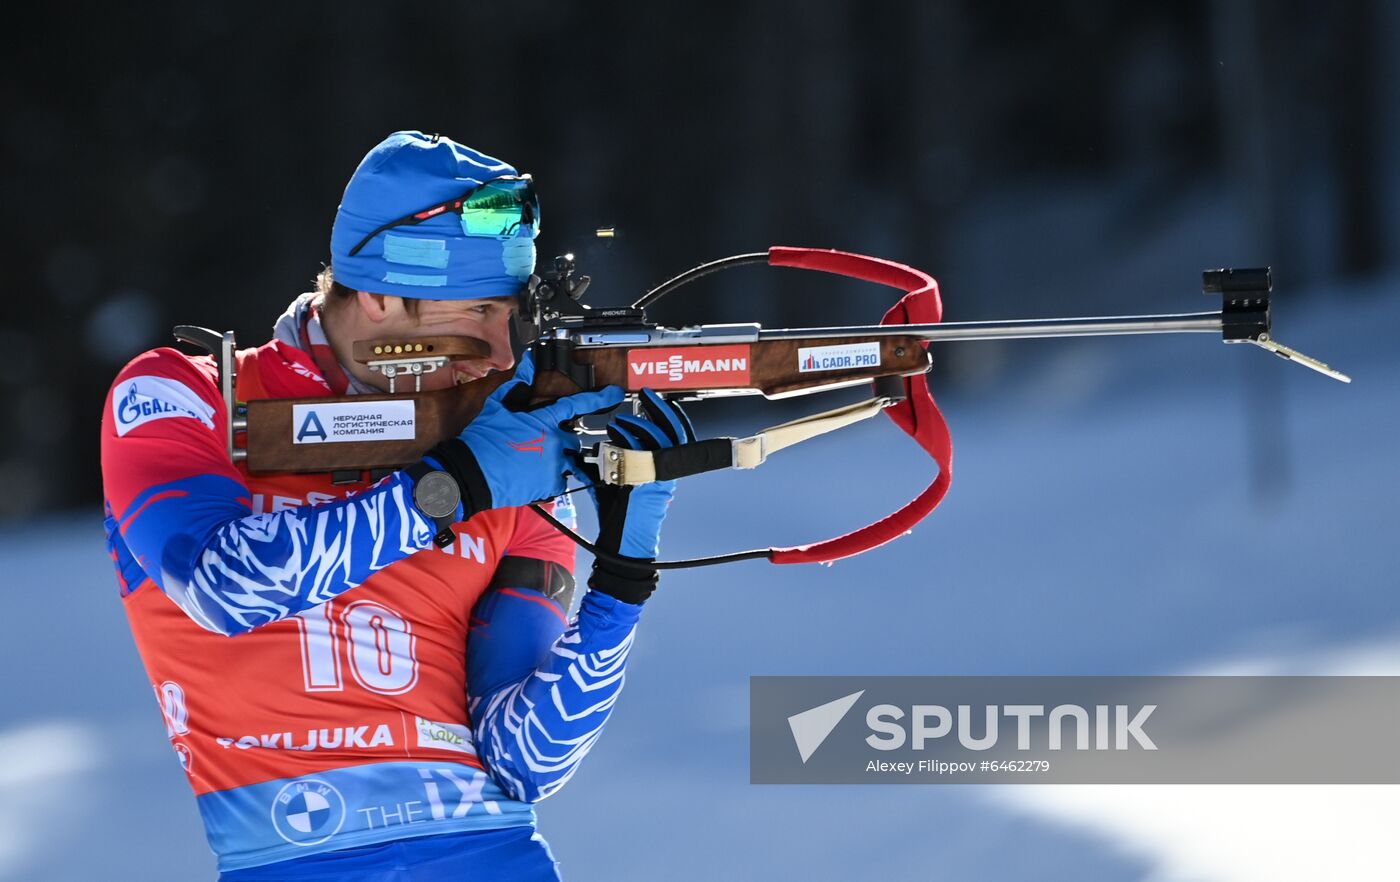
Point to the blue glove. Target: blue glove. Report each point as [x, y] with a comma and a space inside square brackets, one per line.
[512, 454]
[629, 518]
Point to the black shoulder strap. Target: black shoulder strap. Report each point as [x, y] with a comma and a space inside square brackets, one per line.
[544, 576]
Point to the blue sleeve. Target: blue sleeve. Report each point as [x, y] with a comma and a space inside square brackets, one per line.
[231, 570]
[539, 694]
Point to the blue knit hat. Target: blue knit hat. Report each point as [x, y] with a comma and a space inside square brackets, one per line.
[435, 260]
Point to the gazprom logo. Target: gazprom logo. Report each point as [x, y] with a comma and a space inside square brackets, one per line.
[140, 400]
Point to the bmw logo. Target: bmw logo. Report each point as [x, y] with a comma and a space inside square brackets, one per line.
[308, 811]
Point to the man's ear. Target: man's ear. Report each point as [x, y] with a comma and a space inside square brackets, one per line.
[377, 307]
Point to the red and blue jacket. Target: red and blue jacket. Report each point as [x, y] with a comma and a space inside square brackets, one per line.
[329, 678]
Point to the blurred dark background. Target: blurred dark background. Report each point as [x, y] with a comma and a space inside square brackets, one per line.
[1122, 506]
[167, 163]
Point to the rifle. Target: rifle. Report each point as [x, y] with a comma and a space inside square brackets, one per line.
[576, 347]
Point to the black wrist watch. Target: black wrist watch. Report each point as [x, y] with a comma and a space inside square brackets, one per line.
[437, 496]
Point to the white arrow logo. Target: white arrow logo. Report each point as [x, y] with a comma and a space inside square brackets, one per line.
[810, 728]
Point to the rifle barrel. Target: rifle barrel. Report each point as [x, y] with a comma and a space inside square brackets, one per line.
[1010, 329]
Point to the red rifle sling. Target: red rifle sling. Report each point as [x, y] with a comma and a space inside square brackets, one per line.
[917, 415]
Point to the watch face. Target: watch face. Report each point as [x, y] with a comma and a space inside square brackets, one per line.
[436, 495]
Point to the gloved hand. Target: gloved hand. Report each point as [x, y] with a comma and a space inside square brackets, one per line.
[629, 518]
[512, 454]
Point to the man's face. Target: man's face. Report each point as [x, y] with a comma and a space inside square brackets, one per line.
[487, 320]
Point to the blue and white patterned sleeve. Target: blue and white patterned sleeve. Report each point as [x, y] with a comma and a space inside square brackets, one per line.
[533, 727]
[180, 513]
[231, 574]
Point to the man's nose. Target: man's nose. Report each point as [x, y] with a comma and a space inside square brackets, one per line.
[498, 337]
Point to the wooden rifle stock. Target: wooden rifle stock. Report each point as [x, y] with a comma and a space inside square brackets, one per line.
[773, 369]
[272, 431]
